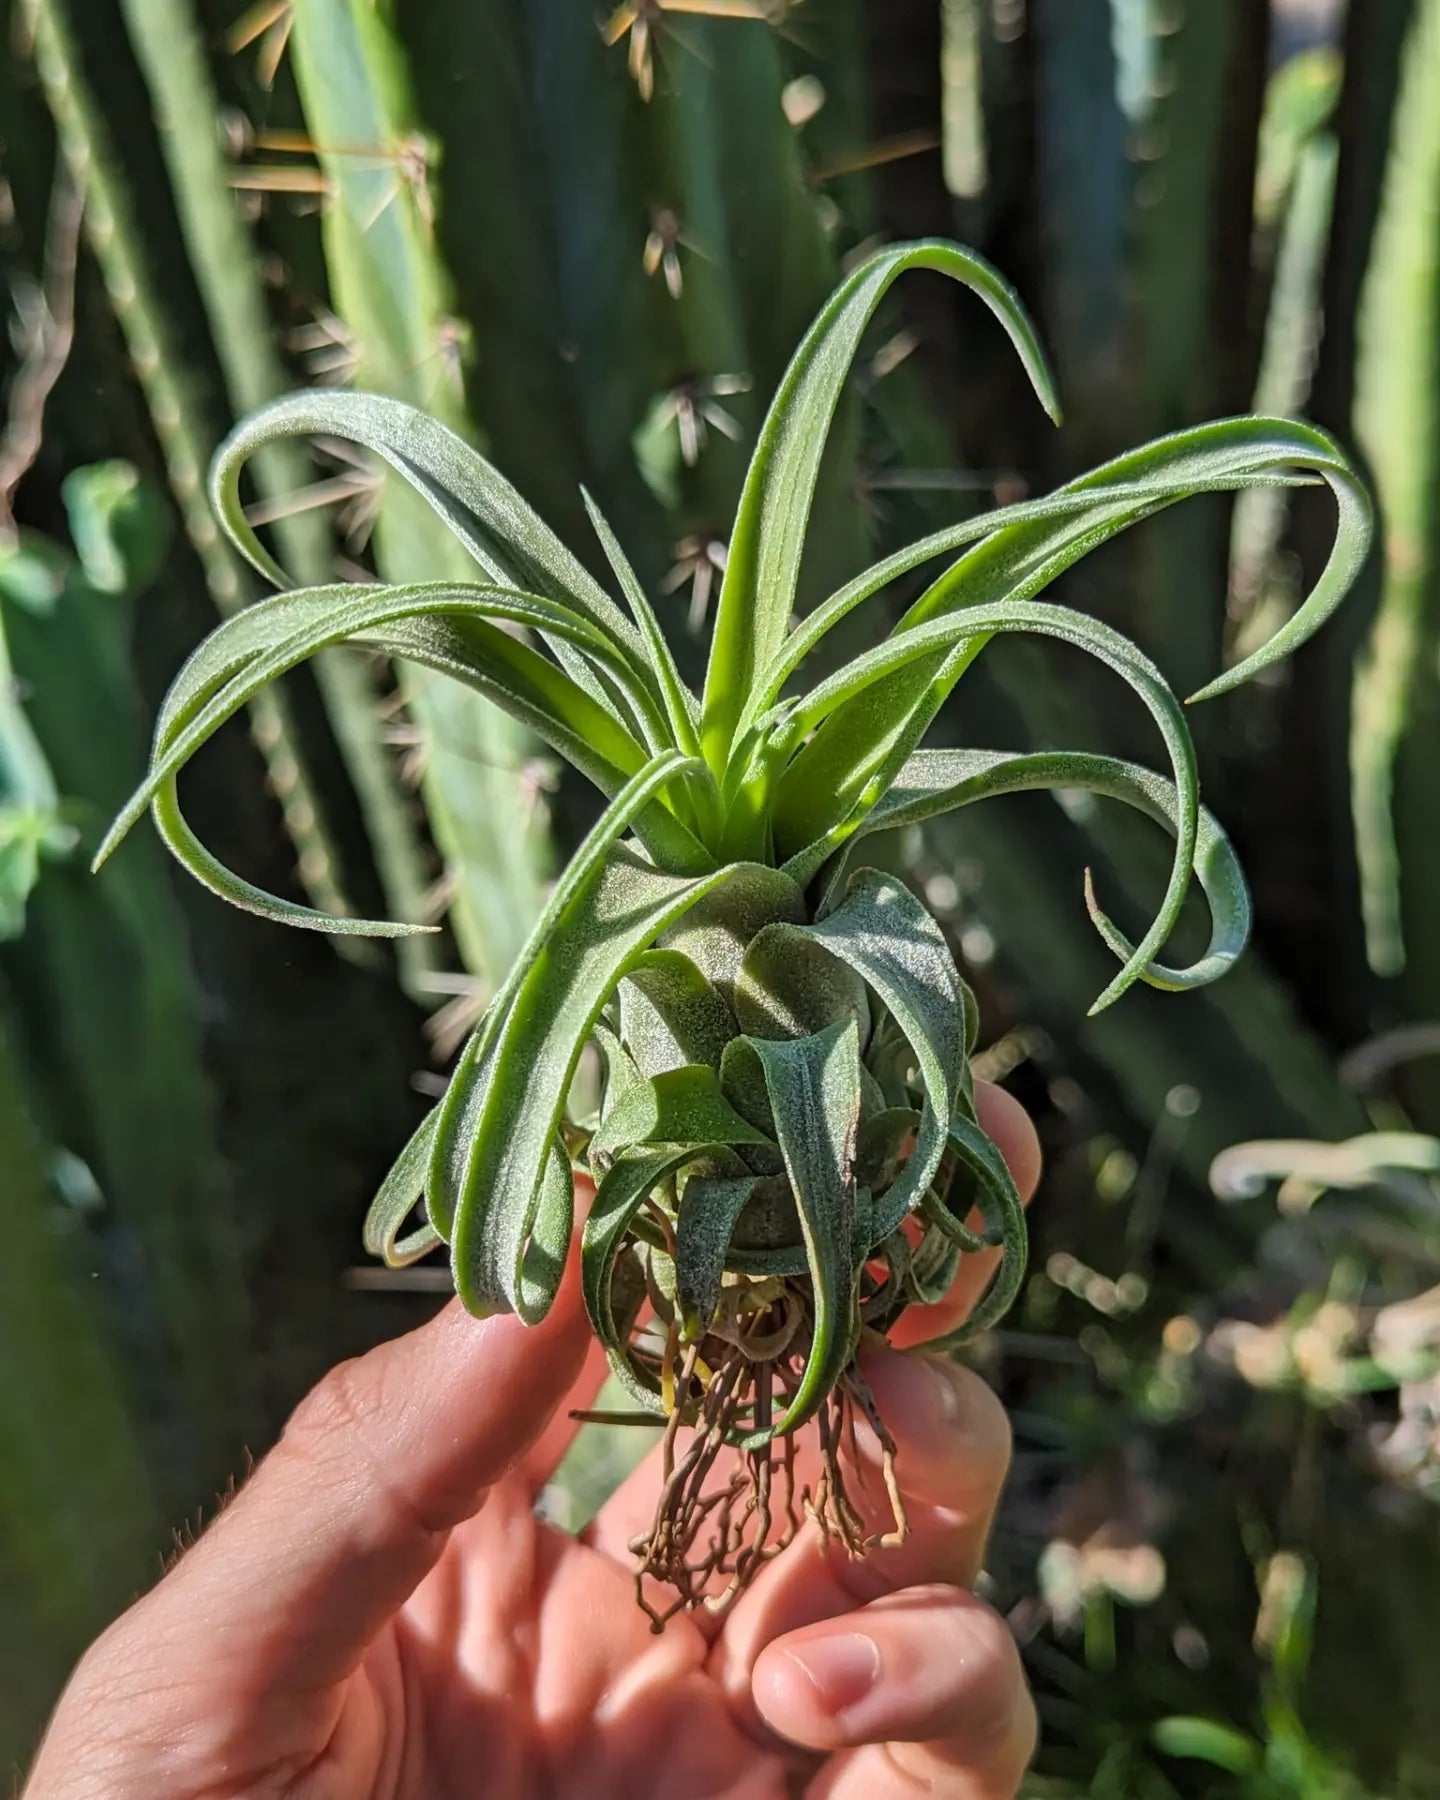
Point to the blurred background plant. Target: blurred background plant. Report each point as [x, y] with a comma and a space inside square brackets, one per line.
[590, 242]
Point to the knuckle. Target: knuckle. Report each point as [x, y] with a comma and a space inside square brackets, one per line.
[333, 1416]
[338, 1435]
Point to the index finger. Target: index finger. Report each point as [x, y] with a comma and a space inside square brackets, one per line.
[354, 1505]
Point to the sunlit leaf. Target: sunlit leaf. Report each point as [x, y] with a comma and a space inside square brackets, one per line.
[1099, 640]
[680, 1106]
[1004, 1214]
[814, 1085]
[763, 566]
[671, 1015]
[508, 541]
[397, 1198]
[708, 1215]
[622, 1192]
[939, 781]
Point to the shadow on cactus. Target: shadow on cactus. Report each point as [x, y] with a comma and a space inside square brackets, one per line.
[787, 1154]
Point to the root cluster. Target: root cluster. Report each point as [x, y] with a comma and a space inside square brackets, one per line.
[732, 1497]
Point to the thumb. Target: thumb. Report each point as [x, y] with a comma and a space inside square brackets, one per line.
[355, 1503]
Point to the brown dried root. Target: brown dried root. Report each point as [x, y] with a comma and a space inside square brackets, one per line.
[719, 1517]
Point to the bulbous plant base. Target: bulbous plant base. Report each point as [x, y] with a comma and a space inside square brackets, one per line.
[732, 1492]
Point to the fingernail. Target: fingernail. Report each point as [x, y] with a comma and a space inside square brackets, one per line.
[944, 1388]
[842, 1670]
[916, 1395]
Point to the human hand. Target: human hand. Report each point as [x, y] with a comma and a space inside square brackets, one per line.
[380, 1615]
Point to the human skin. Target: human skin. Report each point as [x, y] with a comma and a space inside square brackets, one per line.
[380, 1615]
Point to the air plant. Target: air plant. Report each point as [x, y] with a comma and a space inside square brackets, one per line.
[786, 1155]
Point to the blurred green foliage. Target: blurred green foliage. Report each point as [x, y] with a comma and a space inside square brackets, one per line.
[1220, 1536]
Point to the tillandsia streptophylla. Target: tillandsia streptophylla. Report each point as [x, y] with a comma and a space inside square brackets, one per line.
[786, 1155]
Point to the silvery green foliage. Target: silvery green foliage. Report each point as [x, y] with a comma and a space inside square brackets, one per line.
[786, 1036]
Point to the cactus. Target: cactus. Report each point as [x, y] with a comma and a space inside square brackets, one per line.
[79, 1518]
[1395, 722]
[1287, 363]
[393, 293]
[1190, 315]
[32, 826]
[99, 977]
[223, 253]
[1086, 200]
[730, 169]
[962, 28]
[159, 364]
